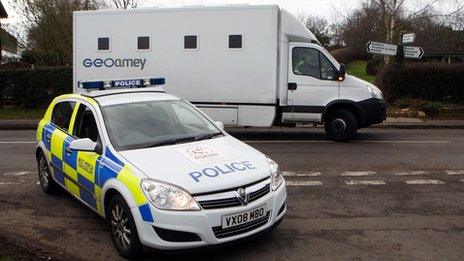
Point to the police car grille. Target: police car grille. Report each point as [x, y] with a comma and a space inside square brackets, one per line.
[220, 203]
[260, 193]
[233, 201]
[220, 232]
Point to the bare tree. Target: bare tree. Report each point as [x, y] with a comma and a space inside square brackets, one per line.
[319, 26]
[126, 4]
[48, 27]
[395, 15]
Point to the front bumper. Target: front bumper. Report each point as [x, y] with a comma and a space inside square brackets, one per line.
[202, 222]
[373, 111]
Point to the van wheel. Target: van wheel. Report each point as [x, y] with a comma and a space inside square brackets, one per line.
[341, 125]
[123, 230]
[47, 183]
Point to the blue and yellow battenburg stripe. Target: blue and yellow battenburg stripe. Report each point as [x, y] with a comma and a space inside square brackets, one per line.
[85, 173]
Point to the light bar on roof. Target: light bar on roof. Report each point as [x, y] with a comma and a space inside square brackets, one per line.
[125, 83]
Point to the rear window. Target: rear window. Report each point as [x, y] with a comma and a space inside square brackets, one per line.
[61, 115]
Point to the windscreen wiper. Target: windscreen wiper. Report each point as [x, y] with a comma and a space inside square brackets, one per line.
[170, 142]
[208, 136]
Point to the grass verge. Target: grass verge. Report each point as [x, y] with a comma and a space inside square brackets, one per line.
[358, 68]
[16, 113]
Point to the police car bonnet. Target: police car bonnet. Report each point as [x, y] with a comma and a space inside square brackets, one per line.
[115, 62]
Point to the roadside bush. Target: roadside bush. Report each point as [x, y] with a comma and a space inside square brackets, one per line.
[374, 64]
[428, 81]
[345, 55]
[34, 88]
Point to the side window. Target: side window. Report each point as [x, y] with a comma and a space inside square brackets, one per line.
[103, 43]
[61, 114]
[305, 61]
[235, 41]
[191, 42]
[143, 43]
[85, 125]
[327, 69]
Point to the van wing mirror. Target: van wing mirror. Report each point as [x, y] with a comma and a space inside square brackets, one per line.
[341, 72]
[85, 144]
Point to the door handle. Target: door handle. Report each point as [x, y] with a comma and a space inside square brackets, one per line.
[292, 86]
[68, 151]
[48, 138]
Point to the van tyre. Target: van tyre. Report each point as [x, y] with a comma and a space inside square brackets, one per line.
[341, 125]
[47, 183]
[123, 230]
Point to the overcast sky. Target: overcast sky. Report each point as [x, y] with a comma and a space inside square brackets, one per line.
[324, 8]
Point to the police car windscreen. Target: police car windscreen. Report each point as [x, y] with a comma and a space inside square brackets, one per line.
[155, 123]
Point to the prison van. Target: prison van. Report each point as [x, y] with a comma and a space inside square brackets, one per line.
[244, 65]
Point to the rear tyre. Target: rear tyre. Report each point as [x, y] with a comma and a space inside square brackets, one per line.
[341, 125]
[47, 183]
[123, 230]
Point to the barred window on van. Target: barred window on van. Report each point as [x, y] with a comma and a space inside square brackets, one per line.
[235, 41]
[143, 43]
[103, 43]
[190, 42]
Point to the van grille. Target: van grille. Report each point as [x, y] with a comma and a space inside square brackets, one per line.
[219, 232]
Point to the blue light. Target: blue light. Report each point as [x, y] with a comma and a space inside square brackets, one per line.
[157, 81]
[92, 85]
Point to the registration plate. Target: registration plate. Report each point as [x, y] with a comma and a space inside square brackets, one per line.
[244, 217]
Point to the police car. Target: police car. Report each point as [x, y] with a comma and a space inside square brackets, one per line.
[161, 172]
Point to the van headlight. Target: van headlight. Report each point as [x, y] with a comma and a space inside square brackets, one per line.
[168, 197]
[375, 92]
[276, 175]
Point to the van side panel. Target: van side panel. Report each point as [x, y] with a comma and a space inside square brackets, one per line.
[212, 73]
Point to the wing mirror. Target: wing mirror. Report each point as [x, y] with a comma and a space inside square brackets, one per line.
[219, 124]
[341, 72]
[82, 145]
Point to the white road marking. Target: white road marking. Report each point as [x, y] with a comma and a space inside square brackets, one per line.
[365, 182]
[411, 173]
[303, 183]
[18, 142]
[424, 181]
[17, 173]
[9, 183]
[455, 172]
[359, 141]
[306, 174]
[357, 173]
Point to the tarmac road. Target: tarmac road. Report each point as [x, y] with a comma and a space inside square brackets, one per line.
[391, 194]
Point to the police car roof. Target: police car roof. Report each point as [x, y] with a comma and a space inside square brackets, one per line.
[122, 96]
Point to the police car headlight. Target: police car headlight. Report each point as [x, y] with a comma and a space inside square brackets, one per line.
[375, 92]
[168, 197]
[276, 175]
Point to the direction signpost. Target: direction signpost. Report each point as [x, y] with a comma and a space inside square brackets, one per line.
[413, 52]
[403, 51]
[409, 38]
[382, 48]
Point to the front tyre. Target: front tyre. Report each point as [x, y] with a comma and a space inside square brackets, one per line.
[123, 230]
[341, 125]
[47, 183]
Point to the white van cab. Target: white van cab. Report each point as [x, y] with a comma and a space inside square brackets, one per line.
[159, 170]
[244, 65]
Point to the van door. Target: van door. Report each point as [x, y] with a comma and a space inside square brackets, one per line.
[312, 83]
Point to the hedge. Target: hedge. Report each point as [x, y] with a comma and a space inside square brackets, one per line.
[34, 88]
[374, 64]
[428, 81]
